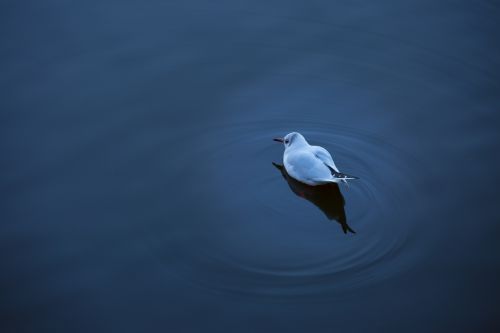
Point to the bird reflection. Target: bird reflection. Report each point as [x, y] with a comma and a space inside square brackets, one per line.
[326, 197]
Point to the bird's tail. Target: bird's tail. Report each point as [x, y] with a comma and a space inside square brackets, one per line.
[344, 176]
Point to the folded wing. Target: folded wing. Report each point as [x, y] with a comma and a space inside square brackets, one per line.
[323, 154]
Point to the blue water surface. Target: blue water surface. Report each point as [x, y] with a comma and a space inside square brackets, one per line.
[138, 192]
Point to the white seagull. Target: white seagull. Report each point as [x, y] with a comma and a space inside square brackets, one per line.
[312, 165]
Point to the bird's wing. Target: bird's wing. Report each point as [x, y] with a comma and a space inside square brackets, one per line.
[323, 154]
[303, 165]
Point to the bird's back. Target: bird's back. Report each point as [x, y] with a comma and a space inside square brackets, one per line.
[303, 165]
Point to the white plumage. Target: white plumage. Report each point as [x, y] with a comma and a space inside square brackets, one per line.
[312, 165]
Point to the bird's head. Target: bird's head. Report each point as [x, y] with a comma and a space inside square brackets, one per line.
[292, 139]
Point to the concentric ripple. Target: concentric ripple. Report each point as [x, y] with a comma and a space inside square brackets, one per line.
[235, 226]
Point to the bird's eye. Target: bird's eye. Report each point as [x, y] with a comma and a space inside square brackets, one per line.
[286, 141]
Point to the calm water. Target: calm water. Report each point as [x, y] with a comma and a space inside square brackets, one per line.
[138, 187]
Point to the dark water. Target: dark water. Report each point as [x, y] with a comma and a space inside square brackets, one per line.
[139, 194]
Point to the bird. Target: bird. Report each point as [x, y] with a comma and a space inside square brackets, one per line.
[312, 165]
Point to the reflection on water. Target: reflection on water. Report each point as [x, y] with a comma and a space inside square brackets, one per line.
[326, 197]
[137, 190]
[233, 226]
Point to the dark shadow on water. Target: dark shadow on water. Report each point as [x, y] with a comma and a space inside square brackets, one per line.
[326, 197]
